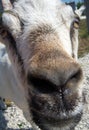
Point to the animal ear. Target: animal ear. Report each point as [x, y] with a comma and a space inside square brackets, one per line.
[10, 29]
[80, 11]
[9, 21]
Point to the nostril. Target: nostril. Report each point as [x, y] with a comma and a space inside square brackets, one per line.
[77, 76]
[41, 85]
[73, 82]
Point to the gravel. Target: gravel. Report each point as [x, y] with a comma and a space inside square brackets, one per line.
[84, 123]
[11, 118]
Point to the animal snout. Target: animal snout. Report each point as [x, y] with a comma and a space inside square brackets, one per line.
[55, 87]
[57, 77]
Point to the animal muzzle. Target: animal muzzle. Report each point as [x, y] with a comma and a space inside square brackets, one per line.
[55, 91]
[60, 76]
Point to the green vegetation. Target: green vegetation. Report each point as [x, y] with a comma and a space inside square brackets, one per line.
[79, 4]
[83, 32]
[21, 125]
[83, 39]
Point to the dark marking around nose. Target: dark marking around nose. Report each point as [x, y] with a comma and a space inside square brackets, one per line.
[43, 85]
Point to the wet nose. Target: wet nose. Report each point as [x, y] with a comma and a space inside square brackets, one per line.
[60, 76]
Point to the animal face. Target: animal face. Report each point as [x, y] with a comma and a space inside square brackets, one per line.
[42, 41]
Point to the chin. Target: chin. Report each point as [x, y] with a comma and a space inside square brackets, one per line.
[48, 123]
[56, 116]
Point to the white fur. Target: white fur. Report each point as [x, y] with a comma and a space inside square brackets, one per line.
[32, 13]
[45, 12]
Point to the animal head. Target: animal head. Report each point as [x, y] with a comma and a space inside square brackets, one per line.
[41, 37]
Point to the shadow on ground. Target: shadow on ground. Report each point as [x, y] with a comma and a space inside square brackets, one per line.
[4, 122]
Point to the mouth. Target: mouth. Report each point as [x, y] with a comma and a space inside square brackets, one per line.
[51, 122]
[54, 106]
[57, 115]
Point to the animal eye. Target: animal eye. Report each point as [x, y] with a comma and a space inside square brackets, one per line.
[76, 23]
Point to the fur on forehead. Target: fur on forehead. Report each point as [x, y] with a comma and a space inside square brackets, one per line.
[35, 12]
[40, 10]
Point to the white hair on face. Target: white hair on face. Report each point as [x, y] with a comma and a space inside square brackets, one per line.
[32, 11]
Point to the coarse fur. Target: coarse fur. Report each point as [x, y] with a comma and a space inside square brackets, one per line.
[42, 44]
